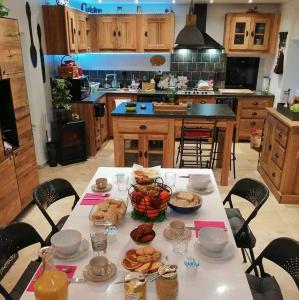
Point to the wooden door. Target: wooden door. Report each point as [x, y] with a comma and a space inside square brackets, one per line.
[11, 60]
[259, 33]
[239, 33]
[71, 23]
[82, 31]
[107, 29]
[10, 204]
[26, 172]
[269, 135]
[155, 150]
[158, 32]
[126, 32]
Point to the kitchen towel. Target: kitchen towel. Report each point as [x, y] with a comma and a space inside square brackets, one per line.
[201, 224]
[70, 274]
[93, 198]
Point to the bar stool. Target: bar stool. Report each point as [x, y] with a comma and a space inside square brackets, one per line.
[233, 153]
[196, 144]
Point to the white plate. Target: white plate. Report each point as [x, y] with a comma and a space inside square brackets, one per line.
[82, 250]
[207, 190]
[227, 253]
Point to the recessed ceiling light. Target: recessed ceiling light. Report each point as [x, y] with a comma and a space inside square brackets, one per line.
[173, 1]
[211, 1]
[249, 1]
[99, 1]
[136, 1]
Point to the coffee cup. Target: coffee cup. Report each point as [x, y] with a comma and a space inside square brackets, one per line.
[213, 239]
[101, 183]
[199, 181]
[99, 265]
[177, 228]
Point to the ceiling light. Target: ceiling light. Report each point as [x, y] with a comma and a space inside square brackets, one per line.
[136, 1]
[99, 1]
[249, 1]
[211, 1]
[173, 1]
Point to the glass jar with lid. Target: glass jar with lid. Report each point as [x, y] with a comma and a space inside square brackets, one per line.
[167, 285]
[135, 286]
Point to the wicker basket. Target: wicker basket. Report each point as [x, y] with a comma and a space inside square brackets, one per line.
[67, 71]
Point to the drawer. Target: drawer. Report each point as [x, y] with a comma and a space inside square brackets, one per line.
[274, 173]
[143, 126]
[246, 125]
[278, 154]
[253, 113]
[256, 102]
[204, 100]
[281, 134]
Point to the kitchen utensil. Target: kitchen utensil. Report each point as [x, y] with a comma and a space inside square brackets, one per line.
[170, 269]
[41, 53]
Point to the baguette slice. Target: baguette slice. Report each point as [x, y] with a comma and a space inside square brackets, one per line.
[155, 266]
[185, 196]
[144, 268]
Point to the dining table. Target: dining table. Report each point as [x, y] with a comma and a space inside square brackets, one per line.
[212, 279]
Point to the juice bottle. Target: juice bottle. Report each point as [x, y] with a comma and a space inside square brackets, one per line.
[52, 284]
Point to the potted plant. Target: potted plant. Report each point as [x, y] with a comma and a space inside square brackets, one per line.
[3, 9]
[172, 96]
[61, 98]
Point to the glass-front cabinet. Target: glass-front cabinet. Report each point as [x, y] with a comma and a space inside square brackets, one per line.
[249, 32]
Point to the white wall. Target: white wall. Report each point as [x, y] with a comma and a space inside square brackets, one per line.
[38, 92]
[289, 79]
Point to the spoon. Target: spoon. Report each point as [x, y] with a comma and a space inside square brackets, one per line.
[170, 269]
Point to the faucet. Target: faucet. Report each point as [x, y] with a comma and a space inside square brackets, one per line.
[114, 80]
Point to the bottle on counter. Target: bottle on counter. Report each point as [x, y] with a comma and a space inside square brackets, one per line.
[52, 283]
[286, 97]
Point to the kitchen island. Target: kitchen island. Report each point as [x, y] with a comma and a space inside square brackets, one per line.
[147, 137]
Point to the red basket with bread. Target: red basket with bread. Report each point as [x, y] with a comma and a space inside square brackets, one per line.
[150, 201]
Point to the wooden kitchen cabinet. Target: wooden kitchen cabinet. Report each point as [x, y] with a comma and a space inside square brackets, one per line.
[198, 99]
[111, 106]
[157, 32]
[117, 32]
[82, 32]
[253, 32]
[279, 161]
[251, 115]
[10, 204]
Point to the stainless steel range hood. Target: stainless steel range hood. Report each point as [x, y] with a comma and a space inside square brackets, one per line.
[193, 35]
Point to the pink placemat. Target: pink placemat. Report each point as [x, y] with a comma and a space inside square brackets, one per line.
[70, 274]
[93, 198]
[201, 224]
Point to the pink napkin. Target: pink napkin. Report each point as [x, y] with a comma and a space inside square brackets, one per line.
[93, 198]
[69, 274]
[201, 224]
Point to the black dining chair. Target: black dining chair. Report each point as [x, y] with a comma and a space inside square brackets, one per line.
[285, 253]
[254, 192]
[49, 192]
[13, 238]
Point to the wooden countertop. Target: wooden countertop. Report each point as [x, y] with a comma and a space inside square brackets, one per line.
[282, 118]
[197, 111]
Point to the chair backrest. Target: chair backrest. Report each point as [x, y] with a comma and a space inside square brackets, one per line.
[285, 253]
[13, 238]
[251, 190]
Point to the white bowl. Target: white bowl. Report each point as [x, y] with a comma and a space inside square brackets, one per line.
[199, 181]
[213, 239]
[66, 241]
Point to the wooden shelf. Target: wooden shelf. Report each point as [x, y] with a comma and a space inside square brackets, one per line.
[132, 150]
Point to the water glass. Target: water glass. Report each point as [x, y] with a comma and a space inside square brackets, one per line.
[170, 179]
[99, 241]
[122, 181]
[180, 244]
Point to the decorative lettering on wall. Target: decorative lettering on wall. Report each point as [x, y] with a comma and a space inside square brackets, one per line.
[90, 9]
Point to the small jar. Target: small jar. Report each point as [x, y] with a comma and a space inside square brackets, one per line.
[167, 286]
[135, 288]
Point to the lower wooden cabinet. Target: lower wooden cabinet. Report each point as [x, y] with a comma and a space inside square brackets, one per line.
[279, 161]
[10, 204]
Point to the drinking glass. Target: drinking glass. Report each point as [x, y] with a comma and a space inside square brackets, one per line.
[180, 244]
[170, 179]
[98, 239]
[122, 181]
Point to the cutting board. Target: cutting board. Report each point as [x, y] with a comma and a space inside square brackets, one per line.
[236, 91]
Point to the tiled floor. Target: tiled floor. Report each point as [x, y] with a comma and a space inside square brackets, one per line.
[274, 220]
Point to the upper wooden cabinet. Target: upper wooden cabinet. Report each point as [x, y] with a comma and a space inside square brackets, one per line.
[71, 31]
[157, 32]
[66, 30]
[252, 33]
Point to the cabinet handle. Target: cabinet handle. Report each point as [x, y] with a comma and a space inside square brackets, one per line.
[254, 114]
[142, 127]
[252, 33]
[276, 155]
[280, 135]
[145, 33]
[145, 154]
[74, 31]
[255, 103]
[253, 123]
[270, 147]
[273, 174]
[247, 32]
[140, 153]
[114, 33]
[119, 34]
[79, 32]
[203, 102]
[3, 72]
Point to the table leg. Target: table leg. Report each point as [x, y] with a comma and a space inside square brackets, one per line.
[226, 153]
[219, 157]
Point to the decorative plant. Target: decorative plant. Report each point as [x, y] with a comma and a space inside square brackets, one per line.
[61, 96]
[172, 96]
[3, 9]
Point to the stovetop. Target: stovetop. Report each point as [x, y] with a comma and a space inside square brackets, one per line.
[196, 92]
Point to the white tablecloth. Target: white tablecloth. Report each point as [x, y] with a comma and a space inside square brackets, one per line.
[213, 280]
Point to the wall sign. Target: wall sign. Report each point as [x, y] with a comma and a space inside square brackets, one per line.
[90, 9]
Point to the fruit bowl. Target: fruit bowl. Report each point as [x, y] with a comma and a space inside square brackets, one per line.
[150, 201]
